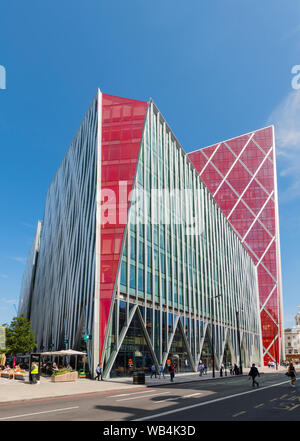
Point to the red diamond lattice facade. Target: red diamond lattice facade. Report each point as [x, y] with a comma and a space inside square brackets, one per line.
[241, 175]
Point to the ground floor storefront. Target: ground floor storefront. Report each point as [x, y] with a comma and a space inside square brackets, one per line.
[140, 338]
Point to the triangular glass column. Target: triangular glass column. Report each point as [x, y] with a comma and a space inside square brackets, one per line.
[149, 322]
[206, 352]
[179, 352]
[112, 335]
[244, 350]
[135, 352]
[219, 340]
[233, 339]
[255, 358]
[171, 318]
[228, 353]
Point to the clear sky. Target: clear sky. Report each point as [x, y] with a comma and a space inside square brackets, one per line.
[215, 70]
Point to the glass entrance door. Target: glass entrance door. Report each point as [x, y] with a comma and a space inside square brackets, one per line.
[178, 354]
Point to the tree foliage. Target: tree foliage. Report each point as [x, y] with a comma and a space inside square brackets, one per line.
[19, 336]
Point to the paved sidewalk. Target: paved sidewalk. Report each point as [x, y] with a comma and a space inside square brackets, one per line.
[16, 390]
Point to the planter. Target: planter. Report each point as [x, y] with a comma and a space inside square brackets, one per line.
[21, 377]
[6, 376]
[14, 375]
[69, 376]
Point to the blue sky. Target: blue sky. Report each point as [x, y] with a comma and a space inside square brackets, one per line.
[215, 69]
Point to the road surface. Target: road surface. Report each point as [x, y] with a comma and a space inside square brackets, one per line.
[229, 399]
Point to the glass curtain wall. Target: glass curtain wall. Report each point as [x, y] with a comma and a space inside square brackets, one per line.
[182, 267]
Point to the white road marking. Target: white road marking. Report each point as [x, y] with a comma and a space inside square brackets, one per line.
[238, 414]
[294, 407]
[208, 402]
[192, 395]
[38, 413]
[177, 398]
[143, 396]
[132, 393]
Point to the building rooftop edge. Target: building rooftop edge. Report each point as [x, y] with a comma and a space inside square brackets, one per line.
[234, 137]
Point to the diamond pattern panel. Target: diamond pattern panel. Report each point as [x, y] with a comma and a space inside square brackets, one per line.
[255, 197]
[242, 219]
[225, 197]
[224, 159]
[267, 216]
[211, 174]
[237, 144]
[238, 178]
[264, 138]
[258, 239]
[251, 156]
[200, 159]
[247, 196]
[266, 175]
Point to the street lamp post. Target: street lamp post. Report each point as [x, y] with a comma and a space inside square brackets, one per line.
[239, 339]
[213, 333]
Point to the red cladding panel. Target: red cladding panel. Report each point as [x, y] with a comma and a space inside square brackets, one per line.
[240, 175]
[122, 128]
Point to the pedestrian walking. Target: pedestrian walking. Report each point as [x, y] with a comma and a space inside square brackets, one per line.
[153, 370]
[172, 372]
[292, 374]
[161, 371]
[253, 373]
[231, 369]
[99, 372]
[200, 368]
[236, 370]
[221, 370]
[205, 369]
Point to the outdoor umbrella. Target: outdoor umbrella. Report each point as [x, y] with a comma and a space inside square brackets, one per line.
[70, 352]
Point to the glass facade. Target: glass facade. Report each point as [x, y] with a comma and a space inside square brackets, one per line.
[135, 251]
[62, 291]
[29, 275]
[182, 265]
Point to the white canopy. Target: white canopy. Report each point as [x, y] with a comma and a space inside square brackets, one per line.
[66, 352]
[71, 352]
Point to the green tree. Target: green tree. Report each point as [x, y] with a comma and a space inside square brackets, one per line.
[19, 336]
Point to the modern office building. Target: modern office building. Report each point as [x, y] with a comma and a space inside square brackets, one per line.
[135, 252]
[241, 175]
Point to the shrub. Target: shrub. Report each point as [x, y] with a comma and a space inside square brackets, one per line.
[61, 372]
